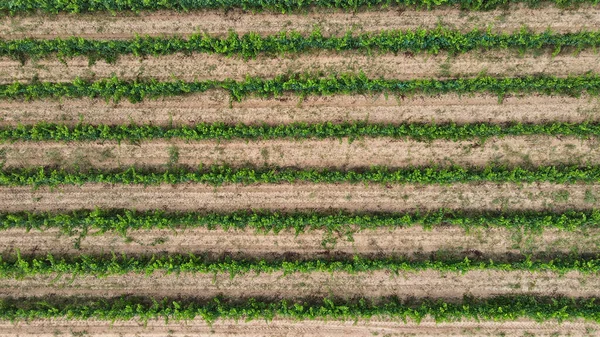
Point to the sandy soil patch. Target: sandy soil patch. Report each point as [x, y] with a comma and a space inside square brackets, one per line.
[374, 284]
[412, 241]
[99, 25]
[217, 67]
[301, 196]
[282, 327]
[215, 106]
[336, 153]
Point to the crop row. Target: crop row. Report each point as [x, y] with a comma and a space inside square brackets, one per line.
[217, 175]
[499, 308]
[121, 221]
[284, 6]
[85, 132]
[303, 85]
[117, 265]
[252, 44]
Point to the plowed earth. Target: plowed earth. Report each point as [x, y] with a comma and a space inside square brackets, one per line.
[217, 67]
[216, 106]
[374, 284]
[301, 196]
[282, 327]
[110, 26]
[493, 242]
[333, 153]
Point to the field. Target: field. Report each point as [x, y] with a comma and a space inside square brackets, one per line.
[299, 168]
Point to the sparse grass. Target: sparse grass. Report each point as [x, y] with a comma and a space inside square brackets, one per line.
[589, 197]
[561, 196]
[107, 154]
[173, 156]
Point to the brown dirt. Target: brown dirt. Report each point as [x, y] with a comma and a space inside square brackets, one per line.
[211, 67]
[282, 327]
[338, 153]
[406, 241]
[215, 107]
[298, 196]
[330, 22]
[373, 284]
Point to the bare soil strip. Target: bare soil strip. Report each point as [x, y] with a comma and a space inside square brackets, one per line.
[108, 26]
[301, 196]
[216, 106]
[373, 284]
[282, 327]
[412, 241]
[218, 67]
[325, 153]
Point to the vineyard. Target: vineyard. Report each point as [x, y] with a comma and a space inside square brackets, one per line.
[299, 168]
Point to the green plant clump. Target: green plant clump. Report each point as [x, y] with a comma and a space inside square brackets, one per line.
[20, 267]
[121, 221]
[303, 85]
[252, 44]
[85, 132]
[284, 6]
[501, 308]
[218, 175]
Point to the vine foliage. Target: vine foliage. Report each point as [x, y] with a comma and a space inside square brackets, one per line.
[303, 85]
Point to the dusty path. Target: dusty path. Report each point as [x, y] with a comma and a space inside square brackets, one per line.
[374, 284]
[282, 327]
[302, 196]
[215, 106]
[330, 22]
[217, 67]
[325, 153]
[413, 241]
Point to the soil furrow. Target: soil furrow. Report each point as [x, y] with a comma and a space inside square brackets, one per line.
[373, 284]
[99, 25]
[216, 106]
[412, 241]
[325, 153]
[303, 196]
[218, 67]
[282, 327]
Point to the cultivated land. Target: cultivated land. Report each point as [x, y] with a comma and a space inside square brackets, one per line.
[216, 106]
[291, 328]
[326, 153]
[516, 264]
[215, 67]
[303, 196]
[125, 25]
[494, 242]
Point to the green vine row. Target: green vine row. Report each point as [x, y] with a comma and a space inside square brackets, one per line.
[284, 6]
[252, 44]
[353, 130]
[501, 308]
[20, 267]
[217, 175]
[303, 85]
[122, 221]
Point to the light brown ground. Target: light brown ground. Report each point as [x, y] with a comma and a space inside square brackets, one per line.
[218, 67]
[302, 196]
[412, 241]
[214, 106]
[338, 153]
[373, 284]
[282, 327]
[330, 22]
